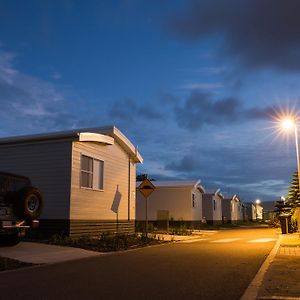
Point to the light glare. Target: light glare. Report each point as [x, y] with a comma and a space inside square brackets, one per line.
[287, 123]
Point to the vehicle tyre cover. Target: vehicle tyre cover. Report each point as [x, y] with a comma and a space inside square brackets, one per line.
[29, 203]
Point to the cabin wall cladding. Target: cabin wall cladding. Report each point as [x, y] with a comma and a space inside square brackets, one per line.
[98, 227]
[48, 165]
[92, 210]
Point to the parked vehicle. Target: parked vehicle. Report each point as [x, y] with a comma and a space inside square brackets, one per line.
[20, 206]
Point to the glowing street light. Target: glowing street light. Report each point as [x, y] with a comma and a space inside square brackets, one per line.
[257, 202]
[287, 123]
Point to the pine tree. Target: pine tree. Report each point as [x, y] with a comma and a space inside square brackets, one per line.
[293, 197]
[287, 207]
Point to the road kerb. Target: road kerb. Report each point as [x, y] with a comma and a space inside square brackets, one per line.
[252, 290]
[278, 298]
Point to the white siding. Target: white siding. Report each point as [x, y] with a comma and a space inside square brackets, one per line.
[48, 165]
[96, 205]
[197, 210]
[178, 201]
[217, 212]
[234, 210]
[132, 190]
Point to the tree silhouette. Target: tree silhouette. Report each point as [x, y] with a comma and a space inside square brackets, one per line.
[286, 207]
[293, 197]
[142, 177]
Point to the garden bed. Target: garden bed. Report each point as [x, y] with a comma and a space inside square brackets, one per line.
[105, 242]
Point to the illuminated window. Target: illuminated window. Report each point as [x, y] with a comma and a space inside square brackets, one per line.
[92, 173]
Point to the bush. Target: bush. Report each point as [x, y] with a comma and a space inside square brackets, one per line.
[105, 242]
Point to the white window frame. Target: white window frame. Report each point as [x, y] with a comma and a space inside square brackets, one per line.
[95, 186]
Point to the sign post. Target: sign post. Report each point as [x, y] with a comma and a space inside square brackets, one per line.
[146, 188]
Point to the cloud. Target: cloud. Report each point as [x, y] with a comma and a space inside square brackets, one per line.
[56, 76]
[201, 86]
[189, 163]
[128, 110]
[252, 170]
[201, 109]
[211, 70]
[29, 103]
[256, 33]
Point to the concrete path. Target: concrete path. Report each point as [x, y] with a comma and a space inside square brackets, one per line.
[196, 235]
[282, 280]
[38, 253]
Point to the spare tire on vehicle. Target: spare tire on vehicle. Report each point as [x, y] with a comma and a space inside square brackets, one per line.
[29, 203]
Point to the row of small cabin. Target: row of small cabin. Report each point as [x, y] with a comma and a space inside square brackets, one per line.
[88, 180]
[189, 202]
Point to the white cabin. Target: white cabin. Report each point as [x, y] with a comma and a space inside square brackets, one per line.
[172, 200]
[87, 178]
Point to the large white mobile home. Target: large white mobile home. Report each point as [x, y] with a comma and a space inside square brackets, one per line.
[87, 177]
[172, 200]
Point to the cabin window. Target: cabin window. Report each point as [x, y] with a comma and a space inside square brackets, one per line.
[193, 199]
[214, 204]
[92, 173]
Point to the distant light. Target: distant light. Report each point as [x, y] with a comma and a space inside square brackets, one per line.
[288, 123]
[257, 201]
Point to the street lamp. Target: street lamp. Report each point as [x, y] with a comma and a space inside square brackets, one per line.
[290, 123]
[257, 201]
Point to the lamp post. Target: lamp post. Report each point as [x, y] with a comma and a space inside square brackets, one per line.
[289, 124]
[257, 201]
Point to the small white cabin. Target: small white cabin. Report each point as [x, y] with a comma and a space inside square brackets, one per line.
[212, 207]
[232, 209]
[172, 200]
[87, 178]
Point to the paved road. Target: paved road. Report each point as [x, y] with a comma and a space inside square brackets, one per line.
[219, 267]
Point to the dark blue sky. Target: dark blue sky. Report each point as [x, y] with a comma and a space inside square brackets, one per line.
[193, 83]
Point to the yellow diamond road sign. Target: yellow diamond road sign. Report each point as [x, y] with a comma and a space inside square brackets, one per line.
[146, 188]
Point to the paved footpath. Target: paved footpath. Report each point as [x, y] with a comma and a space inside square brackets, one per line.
[282, 279]
[38, 253]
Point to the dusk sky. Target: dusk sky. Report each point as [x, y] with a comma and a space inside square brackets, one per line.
[195, 84]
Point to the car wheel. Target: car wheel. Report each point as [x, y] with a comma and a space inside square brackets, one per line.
[29, 203]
